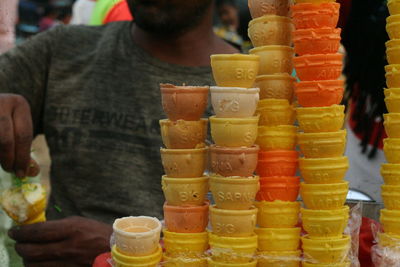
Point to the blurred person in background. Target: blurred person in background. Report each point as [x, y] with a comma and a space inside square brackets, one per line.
[56, 13]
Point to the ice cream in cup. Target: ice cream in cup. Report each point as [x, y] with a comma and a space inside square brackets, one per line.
[321, 119]
[137, 236]
[319, 66]
[184, 163]
[392, 26]
[313, 41]
[323, 93]
[120, 259]
[391, 196]
[186, 219]
[184, 102]
[276, 86]
[391, 148]
[277, 214]
[322, 145]
[271, 30]
[277, 163]
[393, 71]
[274, 59]
[234, 193]
[278, 188]
[324, 196]
[274, 112]
[235, 70]
[183, 262]
[327, 251]
[278, 239]
[279, 258]
[315, 15]
[213, 263]
[260, 8]
[390, 220]
[185, 191]
[235, 223]
[391, 173]
[182, 134]
[392, 124]
[282, 137]
[185, 245]
[394, 7]
[234, 102]
[324, 170]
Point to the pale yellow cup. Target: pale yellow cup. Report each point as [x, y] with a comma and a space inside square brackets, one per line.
[277, 214]
[393, 71]
[184, 262]
[232, 249]
[184, 134]
[271, 30]
[279, 258]
[234, 193]
[324, 196]
[323, 224]
[392, 124]
[391, 196]
[390, 220]
[274, 59]
[393, 103]
[282, 137]
[391, 173]
[278, 239]
[137, 236]
[235, 70]
[393, 51]
[323, 170]
[212, 263]
[322, 145]
[276, 86]
[234, 132]
[185, 191]
[274, 112]
[185, 245]
[391, 148]
[321, 119]
[122, 260]
[328, 251]
[392, 92]
[234, 223]
[184, 163]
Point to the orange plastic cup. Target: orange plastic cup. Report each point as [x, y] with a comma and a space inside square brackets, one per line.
[276, 86]
[393, 73]
[271, 30]
[316, 41]
[279, 188]
[319, 93]
[277, 163]
[274, 59]
[188, 219]
[260, 8]
[308, 15]
[319, 67]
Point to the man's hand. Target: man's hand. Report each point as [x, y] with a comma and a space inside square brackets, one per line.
[16, 133]
[73, 241]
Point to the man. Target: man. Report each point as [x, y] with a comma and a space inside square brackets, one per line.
[93, 91]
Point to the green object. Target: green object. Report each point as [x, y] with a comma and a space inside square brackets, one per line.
[100, 11]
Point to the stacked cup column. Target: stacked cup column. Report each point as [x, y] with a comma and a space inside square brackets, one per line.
[184, 185]
[233, 161]
[271, 33]
[318, 66]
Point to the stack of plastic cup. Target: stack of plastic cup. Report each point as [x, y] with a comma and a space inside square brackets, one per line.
[136, 242]
[271, 33]
[233, 161]
[390, 216]
[322, 142]
[185, 187]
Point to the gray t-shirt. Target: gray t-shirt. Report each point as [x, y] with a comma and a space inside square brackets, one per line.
[95, 95]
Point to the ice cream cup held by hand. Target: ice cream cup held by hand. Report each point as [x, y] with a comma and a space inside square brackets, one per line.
[235, 70]
[393, 72]
[271, 30]
[321, 119]
[323, 224]
[391, 196]
[390, 220]
[277, 214]
[275, 86]
[182, 134]
[391, 148]
[278, 239]
[186, 219]
[279, 258]
[278, 188]
[233, 161]
[393, 103]
[184, 102]
[322, 145]
[234, 102]
[234, 132]
[319, 67]
[321, 93]
[184, 163]
[122, 260]
[234, 193]
[190, 245]
[324, 196]
[394, 7]
[274, 59]
[391, 173]
[324, 170]
[137, 236]
[274, 112]
[282, 137]
[233, 222]
[185, 191]
[277, 163]
[260, 8]
[328, 251]
[316, 41]
[315, 15]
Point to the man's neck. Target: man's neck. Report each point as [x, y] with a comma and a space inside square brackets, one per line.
[193, 48]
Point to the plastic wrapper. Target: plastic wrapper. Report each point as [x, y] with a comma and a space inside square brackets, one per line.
[386, 252]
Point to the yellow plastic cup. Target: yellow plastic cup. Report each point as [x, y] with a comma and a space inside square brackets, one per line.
[394, 7]
[282, 137]
[185, 191]
[391, 148]
[271, 30]
[393, 71]
[234, 193]
[328, 251]
[392, 92]
[391, 196]
[234, 132]
[323, 224]
[182, 134]
[323, 170]
[278, 239]
[393, 26]
[393, 51]
[276, 86]
[234, 223]
[235, 70]
[274, 59]
[322, 145]
[279, 258]
[342, 264]
[392, 124]
[183, 262]
[390, 220]
[389, 240]
[321, 119]
[212, 263]
[233, 249]
[393, 104]
[391, 173]
[122, 260]
[324, 196]
[274, 112]
[186, 245]
[41, 217]
[277, 214]
[184, 163]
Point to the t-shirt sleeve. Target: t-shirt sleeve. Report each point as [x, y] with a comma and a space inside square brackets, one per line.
[24, 71]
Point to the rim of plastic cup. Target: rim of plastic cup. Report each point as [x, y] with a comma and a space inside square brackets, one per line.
[168, 122]
[234, 150]
[271, 48]
[184, 151]
[269, 18]
[234, 179]
[214, 209]
[245, 120]
[235, 57]
[241, 90]
[186, 88]
[197, 180]
[151, 232]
